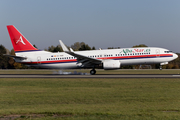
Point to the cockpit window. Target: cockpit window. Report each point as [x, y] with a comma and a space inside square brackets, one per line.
[167, 51]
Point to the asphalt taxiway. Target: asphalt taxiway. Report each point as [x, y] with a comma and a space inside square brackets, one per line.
[88, 76]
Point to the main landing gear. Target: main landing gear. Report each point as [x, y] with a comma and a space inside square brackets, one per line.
[160, 67]
[93, 72]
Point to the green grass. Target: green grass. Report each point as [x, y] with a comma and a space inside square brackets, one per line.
[90, 98]
[99, 71]
[139, 71]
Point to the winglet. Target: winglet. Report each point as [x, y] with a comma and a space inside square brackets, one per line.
[71, 50]
[65, 49]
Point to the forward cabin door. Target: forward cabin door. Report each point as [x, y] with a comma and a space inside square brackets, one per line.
[157, 53]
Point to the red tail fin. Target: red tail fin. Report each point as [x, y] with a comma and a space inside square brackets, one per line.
[19, 42]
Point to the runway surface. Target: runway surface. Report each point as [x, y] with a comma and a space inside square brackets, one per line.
[86, 76]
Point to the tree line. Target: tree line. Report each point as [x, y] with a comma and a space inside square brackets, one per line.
[9, 63]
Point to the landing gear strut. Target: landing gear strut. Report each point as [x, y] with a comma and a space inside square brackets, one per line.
[93, 72]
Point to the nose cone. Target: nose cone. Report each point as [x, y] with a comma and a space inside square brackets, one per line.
[175, 56]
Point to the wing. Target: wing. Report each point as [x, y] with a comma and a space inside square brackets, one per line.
[84, 60]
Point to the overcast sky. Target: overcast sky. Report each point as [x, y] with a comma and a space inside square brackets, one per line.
[99, 23]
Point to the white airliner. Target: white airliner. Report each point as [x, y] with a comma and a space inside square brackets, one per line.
[107, 59]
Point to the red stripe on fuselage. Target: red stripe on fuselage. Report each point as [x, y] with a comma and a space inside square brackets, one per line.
[102, 58]
[138, 56]
[49, 62]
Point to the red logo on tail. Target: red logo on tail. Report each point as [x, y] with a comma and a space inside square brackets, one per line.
[20, 40]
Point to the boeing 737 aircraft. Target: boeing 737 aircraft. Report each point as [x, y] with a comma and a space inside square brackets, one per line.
[107, 59]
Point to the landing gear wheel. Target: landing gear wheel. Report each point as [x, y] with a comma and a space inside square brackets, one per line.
[160, 68]
[93, 72]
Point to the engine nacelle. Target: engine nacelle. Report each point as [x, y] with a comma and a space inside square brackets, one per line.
[111, 64]
[164, 63]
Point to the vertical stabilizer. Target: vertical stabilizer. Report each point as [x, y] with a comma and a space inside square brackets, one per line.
[19, 42]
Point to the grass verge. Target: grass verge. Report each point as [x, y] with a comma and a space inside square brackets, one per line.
[90, 98]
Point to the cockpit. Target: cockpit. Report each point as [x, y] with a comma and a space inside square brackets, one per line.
[167, 51]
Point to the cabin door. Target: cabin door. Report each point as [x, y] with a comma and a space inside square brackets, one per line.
[38, 60]
[157, 53]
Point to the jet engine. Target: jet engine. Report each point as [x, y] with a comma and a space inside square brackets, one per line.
[111, 64]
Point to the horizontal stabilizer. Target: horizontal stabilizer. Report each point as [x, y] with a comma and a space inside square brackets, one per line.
[18, 57]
